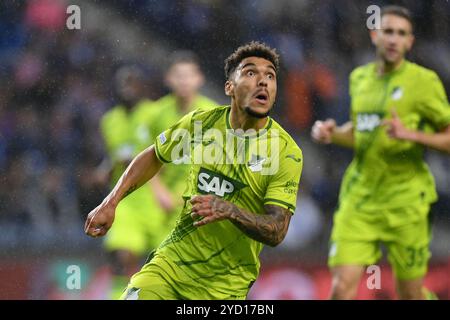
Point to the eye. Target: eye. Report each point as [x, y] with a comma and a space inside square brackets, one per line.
[250, 73]
[270, 76]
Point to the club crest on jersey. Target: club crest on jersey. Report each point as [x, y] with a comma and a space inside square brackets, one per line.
[367, 121]
[397, 93]
[210, 182]
[256, 162]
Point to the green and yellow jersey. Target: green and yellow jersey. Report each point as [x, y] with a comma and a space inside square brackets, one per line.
[249, 169]
[165, 114]
[125, 134]
[385, 172]
[139, 223]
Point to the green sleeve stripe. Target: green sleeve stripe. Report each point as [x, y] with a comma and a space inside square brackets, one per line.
[288, 205]
[158, 155]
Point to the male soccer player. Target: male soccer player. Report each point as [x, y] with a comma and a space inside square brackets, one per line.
[140, 223]
[397, 109]
[241, 192]
[184, 78]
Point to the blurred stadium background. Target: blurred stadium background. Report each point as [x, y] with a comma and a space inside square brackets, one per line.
[55, 84]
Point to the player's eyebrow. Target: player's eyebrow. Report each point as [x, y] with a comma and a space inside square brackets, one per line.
[248, 64]
[254, 65]
[273, 68]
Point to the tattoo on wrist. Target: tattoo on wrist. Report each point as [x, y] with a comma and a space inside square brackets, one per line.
[224, 207]
[129, 191]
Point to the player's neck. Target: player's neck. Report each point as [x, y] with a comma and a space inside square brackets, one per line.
[184, 104]
[129, 105]
[384, 67]
[239, 119]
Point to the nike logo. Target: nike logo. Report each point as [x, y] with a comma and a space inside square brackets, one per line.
[291, 156]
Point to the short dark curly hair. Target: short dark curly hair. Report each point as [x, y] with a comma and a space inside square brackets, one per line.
[252, 49]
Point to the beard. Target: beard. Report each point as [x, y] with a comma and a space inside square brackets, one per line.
[255, 114]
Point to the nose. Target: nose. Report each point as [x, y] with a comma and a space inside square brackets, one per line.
[394, 38]
[262, 81]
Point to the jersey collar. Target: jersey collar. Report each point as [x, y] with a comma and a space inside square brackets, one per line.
[261, 132]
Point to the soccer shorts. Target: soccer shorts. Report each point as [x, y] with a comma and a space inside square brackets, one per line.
[161, 279]
[357, 235]
[140, 224]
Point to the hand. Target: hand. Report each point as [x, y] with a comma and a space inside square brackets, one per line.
[395, 127]
[100, 220]
[322, 131]
[211, 208]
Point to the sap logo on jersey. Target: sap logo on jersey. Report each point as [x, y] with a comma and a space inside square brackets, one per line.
[368, 121]
[213, 182]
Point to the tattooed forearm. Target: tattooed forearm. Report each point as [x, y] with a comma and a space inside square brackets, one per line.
[129, 191]
[269, 228]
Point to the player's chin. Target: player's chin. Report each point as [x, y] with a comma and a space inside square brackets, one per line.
[393, 57]
[258, 110]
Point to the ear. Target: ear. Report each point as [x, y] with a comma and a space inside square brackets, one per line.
[201, 79]
[374, 36]
[410, 42]
[168, 79]
[229, 88]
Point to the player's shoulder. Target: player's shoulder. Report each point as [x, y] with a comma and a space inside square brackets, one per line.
[112, 114]
[362, 71]
[203, 113]
[145, 104]
[421, 73]
[287, 142]
[205, 102]
[168, 99]
[145, 108]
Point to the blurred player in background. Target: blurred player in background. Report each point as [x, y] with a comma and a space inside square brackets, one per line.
[139, 223]
[213, 252]
[397, 109]
[184, 78]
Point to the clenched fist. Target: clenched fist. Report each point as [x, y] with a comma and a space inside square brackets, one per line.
[100, 220]
[322, 131]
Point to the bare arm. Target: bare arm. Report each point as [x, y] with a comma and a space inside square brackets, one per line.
[143, 167]
[439, 141]
[343, 135]
[327, 132]
[269, 228]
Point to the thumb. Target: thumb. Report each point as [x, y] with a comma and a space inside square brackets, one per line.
[329, 124]
[386, 123]
[394, 113]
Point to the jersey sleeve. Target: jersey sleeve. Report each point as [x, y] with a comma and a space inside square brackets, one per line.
[283, 185]
[433, 105]
[174, 143]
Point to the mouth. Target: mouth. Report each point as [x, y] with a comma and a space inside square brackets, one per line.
[261, 97]
[391, 50]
